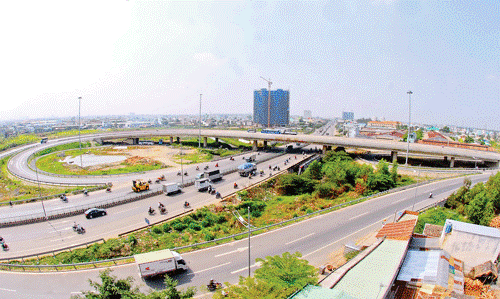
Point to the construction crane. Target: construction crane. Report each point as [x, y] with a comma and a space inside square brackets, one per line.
[268, 102]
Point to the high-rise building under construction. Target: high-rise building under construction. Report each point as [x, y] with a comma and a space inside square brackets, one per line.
[279, 107]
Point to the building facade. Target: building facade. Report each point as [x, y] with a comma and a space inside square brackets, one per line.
[348, 116]
[280, 107]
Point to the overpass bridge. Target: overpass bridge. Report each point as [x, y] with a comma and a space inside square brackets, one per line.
[327, 142]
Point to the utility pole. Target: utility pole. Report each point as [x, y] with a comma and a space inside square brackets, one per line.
[249, 233]
[268, 102]
[199, 127]
[79, 128]
[409, 124]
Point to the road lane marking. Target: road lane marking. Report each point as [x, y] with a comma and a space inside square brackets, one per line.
[246, 268]
[359, 215]
[241, 249]
[319, 249]
[300, 238]
[8, 290]
[204, 270]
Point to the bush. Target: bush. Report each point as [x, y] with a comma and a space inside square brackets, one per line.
[166, 227]
[293, 184]
[195, 226]
[157, 230]
[179, 226]
[209, 236]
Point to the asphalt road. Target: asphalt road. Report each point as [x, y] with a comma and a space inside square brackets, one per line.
[315, 238]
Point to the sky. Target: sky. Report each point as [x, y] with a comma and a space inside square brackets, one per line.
[157, 57]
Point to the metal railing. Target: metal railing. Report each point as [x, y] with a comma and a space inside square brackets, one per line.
[76, 210]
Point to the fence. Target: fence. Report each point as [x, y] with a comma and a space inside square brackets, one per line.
[75, 210]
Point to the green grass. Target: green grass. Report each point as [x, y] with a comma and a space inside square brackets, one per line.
[50, 163]
[437, 216]
[10, 142]
[12, 189]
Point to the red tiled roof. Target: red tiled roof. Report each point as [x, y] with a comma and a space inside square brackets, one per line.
[398, 231]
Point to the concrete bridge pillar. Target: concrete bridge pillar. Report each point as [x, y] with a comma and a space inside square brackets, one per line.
[171, 140]
[394, 156]
[255, 147]
[445, 158]
[325, 148]
[205, 141]
[265, 144]
[135, 141]
[178, 139]
[217, 140]
[452, 162]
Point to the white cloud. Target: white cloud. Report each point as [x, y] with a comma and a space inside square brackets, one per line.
[208, 59]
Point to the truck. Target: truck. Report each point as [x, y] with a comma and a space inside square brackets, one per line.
[138, 186]
[251, 158]
[202, 184]
[44, 140]
[171, 188]
[247, 168]
[213, 175]
[159, 262]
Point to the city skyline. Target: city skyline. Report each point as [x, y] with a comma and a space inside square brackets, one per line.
[138, 57]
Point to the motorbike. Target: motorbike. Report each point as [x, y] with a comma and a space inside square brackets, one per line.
[197, 168]
[217, 195]
[186, 204]
[64, 198]
[212, 286]
[231, 159]
[5, 247]
[235, 186]
[430, 195]
[185, 173]
[162, 209]
[78, 228]
[85, 192]
[217, 165]
[151, 211]
[108, 189]
[179, 173]
[206, 167]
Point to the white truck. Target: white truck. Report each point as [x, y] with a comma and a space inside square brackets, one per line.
[247, 168]
[213, 175]
[202, 184]
[171, 188]
[159, 262]
[251, 158]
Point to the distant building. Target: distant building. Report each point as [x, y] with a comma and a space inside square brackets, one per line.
[348, 115]
[384, 124]
[307, 114]
[280, 107]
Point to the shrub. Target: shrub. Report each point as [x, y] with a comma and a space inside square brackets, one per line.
[309, 211]
[209, 236]
[292, 184]
[157, 230]
[179, 226]
[132, 240]
[195, 226]
[166, 227]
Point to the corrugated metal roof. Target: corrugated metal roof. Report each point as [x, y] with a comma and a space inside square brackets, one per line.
[473, 228]
[315, 292]
[373, 276]
[425, 243]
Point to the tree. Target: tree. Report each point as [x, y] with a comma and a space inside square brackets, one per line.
[446, 129]
[394, 173]
[171, 291]
[480, 209]
[111, 287]
[277, 277]
[314, 171]
[469, 139]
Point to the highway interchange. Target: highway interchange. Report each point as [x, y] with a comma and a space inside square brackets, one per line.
[315, 238]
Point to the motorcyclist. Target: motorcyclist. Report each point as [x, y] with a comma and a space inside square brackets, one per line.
[186, 203]
[151, 211]
[212, 284]
[197, 167]
[178, 173]
[217, 195]
[217, 165]
[160, 205]
[235, 185]
[430, 195]
[108, 189]
[85, 192]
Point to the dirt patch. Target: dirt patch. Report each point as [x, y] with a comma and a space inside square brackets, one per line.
[162, 154]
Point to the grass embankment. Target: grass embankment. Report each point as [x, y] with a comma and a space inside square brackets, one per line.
[12, 189]
[274, 201]
[10, 142]
[51, 163]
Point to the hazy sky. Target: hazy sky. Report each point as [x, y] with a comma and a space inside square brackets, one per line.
[158, 56]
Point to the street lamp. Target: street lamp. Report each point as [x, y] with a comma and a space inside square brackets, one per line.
[182, 169]
[416, 188]
[79, 128]
[40, 192]
[409, 123]
[249, 233]
[199, 127]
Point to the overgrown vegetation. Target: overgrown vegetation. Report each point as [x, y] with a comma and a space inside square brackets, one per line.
[437, 216]
[277, 277]
[12, 189]
[62, 147]
[479, 203]
[111, 287]
[10, 142]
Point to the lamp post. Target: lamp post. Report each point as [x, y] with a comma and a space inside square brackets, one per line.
[249, 241]
[40, 192]
[199, 127]
[79, 128]
[416, 188]
[182, 169]
[409, 123]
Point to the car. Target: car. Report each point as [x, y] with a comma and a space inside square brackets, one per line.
[94, 212]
